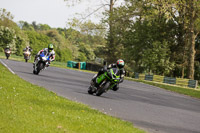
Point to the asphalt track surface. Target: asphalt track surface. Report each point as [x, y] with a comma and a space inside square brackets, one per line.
[150, 108]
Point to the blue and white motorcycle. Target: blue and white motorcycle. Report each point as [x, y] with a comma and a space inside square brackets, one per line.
[41, 62]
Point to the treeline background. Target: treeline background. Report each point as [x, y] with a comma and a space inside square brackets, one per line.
[155, 37]
[79, 42]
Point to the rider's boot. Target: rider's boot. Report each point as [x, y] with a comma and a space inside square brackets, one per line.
[116, 87]
[47, 64]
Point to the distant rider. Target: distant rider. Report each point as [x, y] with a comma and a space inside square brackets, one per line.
[120, 72]
[7, 49]
[49, 52]
[28, 48]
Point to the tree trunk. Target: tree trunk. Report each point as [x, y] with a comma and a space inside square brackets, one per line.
[191, 56]
[183, 72]
[184, 58]
[191, 41]
[111, 39]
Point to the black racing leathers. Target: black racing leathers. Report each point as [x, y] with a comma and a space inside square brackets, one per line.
[120, 72]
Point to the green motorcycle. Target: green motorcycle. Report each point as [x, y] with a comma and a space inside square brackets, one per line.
[104, 82]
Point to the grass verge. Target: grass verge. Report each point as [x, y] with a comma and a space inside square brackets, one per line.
[186, 91]
[25, 107]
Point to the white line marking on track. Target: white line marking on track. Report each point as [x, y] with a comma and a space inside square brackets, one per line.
[7, 66]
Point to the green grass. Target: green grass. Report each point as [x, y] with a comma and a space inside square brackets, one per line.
[27, 108]
[186, 91]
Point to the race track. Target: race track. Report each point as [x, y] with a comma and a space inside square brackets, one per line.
[147, 107]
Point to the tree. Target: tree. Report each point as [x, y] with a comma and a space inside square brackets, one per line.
[7, 35]
[44, 27]
[173, 9]
[111, 46]
[87, 36]
[5, 18]
[37, 41]
[144, 38]
[25, 26]
[7, 38]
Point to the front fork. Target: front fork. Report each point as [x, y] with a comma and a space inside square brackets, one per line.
[35, 63]
[94, 86]
[35, 66]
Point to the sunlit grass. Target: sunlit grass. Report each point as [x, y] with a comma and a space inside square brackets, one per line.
[25, 107]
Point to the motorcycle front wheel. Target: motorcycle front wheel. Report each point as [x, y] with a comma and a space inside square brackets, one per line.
[7, 56]
[90, 91]
[101, 90]
[40, 66]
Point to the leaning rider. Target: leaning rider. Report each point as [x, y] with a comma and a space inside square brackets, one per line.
[49, 52]
[121, 72]
[7, 48]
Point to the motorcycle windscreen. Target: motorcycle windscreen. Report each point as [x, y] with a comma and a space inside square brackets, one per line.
[42, 54]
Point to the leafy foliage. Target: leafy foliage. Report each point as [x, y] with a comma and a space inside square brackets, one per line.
[8, 37]
[79, 42]
[37, 40]
[152, 36]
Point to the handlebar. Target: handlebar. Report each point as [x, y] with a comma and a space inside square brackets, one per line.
[112, 76]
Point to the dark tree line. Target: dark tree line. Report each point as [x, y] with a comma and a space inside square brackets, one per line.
[158, 37]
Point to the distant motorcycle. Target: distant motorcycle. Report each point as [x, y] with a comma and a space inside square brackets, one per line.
[105, 81]
[27, 55]
[40, 63]
[7, 53]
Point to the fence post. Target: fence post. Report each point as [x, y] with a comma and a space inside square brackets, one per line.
[79, 65]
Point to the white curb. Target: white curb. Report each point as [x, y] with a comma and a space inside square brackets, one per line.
[7, 66]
